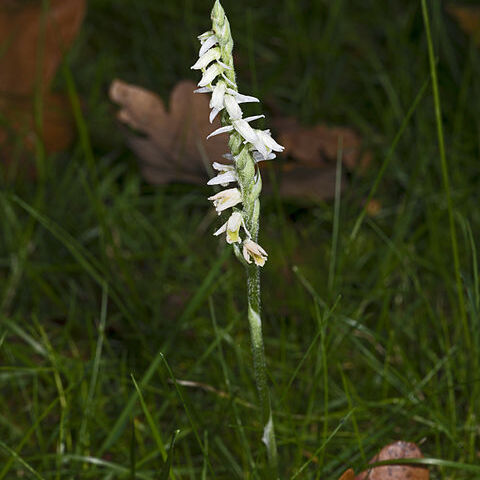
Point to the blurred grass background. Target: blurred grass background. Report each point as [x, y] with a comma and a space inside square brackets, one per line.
[100, 272]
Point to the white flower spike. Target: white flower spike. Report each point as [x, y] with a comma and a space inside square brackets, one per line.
[248, 145]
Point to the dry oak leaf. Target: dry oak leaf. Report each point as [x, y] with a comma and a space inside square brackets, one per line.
[319, 145]
[468, 19]
[174, 146]
[25, 32]
[312, 153]
[32, 42]
[57, 125]
[394, 451]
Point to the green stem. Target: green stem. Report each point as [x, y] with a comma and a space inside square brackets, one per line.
[260, 368]
[445, 176]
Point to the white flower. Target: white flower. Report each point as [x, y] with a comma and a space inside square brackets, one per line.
[207, 58]
[264, 143]
[233, 108]
[205, 36]
[210, 74]
[224, 178]
[216, 102]
[232, 228]
[221, 167]
[226, 199]
[233, 84]
[242, 127]
[255, 251]
[227, 174]
[203, 90]
[245, 130]
[258, 157]
[207, 42]
[266, 137]
[242, 98]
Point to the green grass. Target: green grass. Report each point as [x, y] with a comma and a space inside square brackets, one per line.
[124, 343]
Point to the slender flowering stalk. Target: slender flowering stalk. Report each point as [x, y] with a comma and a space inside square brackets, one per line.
[248, 146]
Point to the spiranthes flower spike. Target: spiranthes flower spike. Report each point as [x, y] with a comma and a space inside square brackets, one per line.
[248, 146]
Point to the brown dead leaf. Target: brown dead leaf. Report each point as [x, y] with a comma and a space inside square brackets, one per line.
[393, 451]
[348, 475]
[320, 145]
[468, 19]
[19, 139]
[22, 42]
[32, 43]
[56, 121]
[312, 153]
[173, 146]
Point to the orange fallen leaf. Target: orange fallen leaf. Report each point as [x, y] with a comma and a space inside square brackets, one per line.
[468, 19]
[374, 207]
[26, 31]
[348, 475]
[33, 41]
[56, 121]
[394, 451]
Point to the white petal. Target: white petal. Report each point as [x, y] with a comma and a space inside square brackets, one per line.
[235, 221]
[206, 35]
[223, 178]
[213, 114]
[221, 230]
[203, 90]
[220, 130]
[242, 98]
[261, 147]
[233, 227]
[217, 95]
[245, 130]
[207, 44]
[210, 74]
[265, 136]
[246, 256]
[228, 80]
[255, 251]
[233, 109]
[224, 65]
[258, 157]
[207, 58]
[255, 117]
[221, 167]
[226, 199]
[228, 156]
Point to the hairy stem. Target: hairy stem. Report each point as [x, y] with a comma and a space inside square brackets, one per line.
[260, 367]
